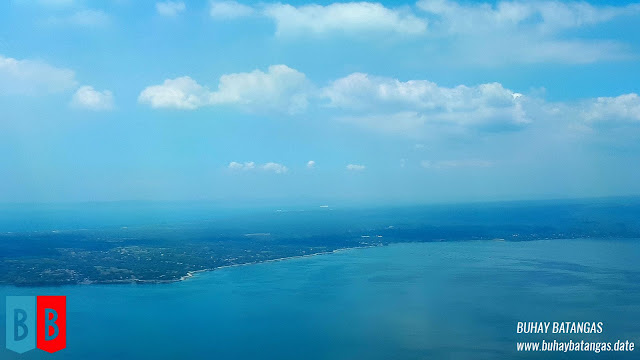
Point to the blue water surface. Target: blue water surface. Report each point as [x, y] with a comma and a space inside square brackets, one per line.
[447, 300]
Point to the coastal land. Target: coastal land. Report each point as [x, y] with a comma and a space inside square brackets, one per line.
[112, 249]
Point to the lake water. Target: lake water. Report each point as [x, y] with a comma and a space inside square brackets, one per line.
[449, 300]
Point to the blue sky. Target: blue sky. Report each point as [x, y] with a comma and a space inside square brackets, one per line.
[393, 102]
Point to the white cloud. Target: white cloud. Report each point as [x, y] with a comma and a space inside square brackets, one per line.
[280, 89]
[485, 33]
[311, 164]
[83, 18]
[180, 93]
[415, 108]
[358, 17]
[593, 116]
[229, 10]
[170, 8]
[235, 165]
[623, 108]
[450, 164]
[86, 97]
[275, 167]
[363, 91]
[489, 33]
[250, 165]
[543, 16]
[29, 77]
[355, 167]
[393, 105]
[523, 32]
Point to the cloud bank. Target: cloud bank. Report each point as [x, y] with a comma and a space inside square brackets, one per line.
[355, 167]
[483, 33]
[280, 89]
[229, 10]
[273, 167]
[413, 103]
[32, 77]
[350, 17]
[170, 8]
[86, 97]
[411, 107]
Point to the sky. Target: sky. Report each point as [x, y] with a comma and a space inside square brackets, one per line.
[325, 102]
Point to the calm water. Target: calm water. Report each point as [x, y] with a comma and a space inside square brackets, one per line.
[457, 300]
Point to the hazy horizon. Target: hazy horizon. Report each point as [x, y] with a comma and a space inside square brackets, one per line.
[261, 203]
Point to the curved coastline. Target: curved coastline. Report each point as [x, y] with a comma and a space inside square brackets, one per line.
[191, 274]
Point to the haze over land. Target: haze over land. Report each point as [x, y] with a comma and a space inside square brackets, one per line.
[44, 245]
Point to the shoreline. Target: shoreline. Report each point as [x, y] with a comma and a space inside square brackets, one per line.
[191, 274]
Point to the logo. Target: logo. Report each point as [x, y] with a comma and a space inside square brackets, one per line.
[36, 321]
